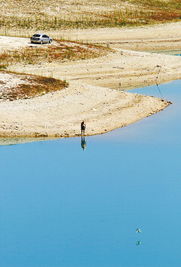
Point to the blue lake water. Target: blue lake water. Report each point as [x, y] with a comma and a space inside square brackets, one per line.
[61, 206]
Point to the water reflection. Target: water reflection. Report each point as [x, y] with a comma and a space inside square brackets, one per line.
[20, 140]
[83, 142]
[138, 243]
[63, 208]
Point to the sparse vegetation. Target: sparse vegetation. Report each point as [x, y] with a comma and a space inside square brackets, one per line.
[33, 86]
[37, 85]
[62, 51]
[55, 15]
[52, 16]
[3, 66]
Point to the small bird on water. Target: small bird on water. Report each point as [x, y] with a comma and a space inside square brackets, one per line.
[138, 230]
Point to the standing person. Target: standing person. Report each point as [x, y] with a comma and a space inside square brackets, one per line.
[83, 126]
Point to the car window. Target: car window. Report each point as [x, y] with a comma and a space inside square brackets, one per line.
[36, 35]
[45, 36]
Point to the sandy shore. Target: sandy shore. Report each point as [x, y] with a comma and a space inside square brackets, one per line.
[60, 114]
[162, 31]
[91, 95]
[122, 69]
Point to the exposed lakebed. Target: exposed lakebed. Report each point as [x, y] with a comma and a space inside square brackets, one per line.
[61, 206]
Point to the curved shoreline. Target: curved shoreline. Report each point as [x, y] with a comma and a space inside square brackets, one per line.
[91, 95]
[60, 114]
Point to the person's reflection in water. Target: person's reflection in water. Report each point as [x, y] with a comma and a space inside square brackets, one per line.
[83, 142]
[138, 243]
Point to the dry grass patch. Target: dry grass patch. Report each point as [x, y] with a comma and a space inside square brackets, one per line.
[29, 86]
[62, 14]
[62, 51]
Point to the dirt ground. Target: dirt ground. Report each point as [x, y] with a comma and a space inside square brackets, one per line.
[91, 95]
[59, 114]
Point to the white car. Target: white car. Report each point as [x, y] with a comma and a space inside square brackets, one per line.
[39, 38]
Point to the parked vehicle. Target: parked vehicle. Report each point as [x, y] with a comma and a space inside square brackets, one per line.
[39, 38]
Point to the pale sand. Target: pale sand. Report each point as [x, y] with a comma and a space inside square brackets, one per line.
[91, 95]
[60, 114]
[167, 31]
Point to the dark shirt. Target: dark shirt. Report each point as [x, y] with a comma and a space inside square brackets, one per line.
[83, 126]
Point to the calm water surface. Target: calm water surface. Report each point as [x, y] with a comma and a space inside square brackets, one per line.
[61, 206]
